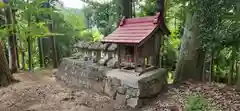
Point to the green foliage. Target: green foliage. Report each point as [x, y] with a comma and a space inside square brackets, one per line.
[196, 102]
[147, 7]
[218, 22]
[103, 15]
[171, 50]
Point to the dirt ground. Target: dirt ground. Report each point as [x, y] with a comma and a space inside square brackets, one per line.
[39, 91]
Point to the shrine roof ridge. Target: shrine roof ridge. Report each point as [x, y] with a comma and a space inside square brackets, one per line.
[134, 30]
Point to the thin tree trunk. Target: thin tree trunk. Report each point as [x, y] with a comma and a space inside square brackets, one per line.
[236, 65]
[133, 8]
[40, 49]
[217, 77]
[58, 53]
[211, 74]
[204, 70]
[29, 41]
[30, 65]
[237, 70]
[11, 41]
[54, 50]
[238, 79]
[23, 60]
[5, 74]
[191, 59]
[230, 75]
[6, 52]
[22, 55]
[17, 51]
[15, 35]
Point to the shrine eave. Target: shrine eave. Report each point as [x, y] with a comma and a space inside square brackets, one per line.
[134, 30]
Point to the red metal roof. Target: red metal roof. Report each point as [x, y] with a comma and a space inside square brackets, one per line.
[133, 30]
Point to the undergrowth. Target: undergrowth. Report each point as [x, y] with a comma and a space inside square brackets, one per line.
[196, 102]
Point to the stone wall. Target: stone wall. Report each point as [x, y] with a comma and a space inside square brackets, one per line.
[82, 74]
[130, 89]
[127, 88]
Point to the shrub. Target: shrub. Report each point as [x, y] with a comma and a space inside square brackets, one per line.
[197, 103]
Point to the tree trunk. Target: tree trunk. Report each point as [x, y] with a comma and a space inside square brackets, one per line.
[6, 52]
[238, 79]
[237, 70]
[23, 60]
[191, 58]
[133, 8]
[54, 48]
[12, 43]
[204, 70]
[230, 75]
[30, 65]
[40, 49]
[211, 74]
[126, 7]
[22, 50]
[5, 74]
[29, 42]
[15, 35]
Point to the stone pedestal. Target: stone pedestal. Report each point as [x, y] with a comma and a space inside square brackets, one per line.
[133, 87]
[126, 87]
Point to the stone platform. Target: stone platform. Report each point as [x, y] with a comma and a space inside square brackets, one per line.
[126, 87]
[130, 89]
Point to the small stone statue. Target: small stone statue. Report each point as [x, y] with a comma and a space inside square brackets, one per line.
[85, 58]
[112, 63]
[94, 59]
[139, 69]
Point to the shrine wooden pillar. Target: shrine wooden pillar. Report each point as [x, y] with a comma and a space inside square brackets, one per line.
[119, 55]
[157, 53]
[136, 56]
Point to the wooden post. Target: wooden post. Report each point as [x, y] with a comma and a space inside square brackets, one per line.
[135, 56]
[119, 56]
[157, 56]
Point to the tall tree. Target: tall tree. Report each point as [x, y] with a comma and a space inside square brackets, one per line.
[191, 57]
[40, 49]
[5, 74]
[203, 23]
[53, 40]
[126, 8]
[54, 47]
[12, 40]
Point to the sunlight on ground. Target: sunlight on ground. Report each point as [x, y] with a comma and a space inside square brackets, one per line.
[170, 77]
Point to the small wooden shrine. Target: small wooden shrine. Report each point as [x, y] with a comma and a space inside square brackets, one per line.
[139, 41]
